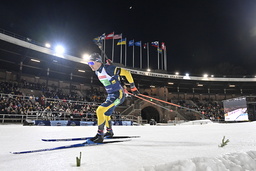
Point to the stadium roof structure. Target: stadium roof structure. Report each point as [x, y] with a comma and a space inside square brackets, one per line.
[38, 60]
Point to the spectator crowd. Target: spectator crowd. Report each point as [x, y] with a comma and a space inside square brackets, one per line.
[209, 108]
[55, 103]
[52, 104]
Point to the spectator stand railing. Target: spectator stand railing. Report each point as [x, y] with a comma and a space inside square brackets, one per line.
[40, 115]
[70, 101]
[13, 118]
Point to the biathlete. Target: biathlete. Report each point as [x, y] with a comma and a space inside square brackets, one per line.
[109, 76]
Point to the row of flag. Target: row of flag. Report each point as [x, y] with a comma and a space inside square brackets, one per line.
[161, 49]
[123, 41]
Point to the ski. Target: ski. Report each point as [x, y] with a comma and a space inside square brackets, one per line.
[86, 138]
[68, 146]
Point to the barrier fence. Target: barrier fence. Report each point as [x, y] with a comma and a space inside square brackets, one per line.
[49, 116]
[55, 116]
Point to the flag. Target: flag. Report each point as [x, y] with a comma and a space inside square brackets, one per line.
[96, 39]
[163, 46]
[122, 42]
[102, 36]
[155, 43]
[159, 50]
[98, 42]
[131, 43]
[117, 36]
[138, 43]
[145, 46]
[110, 36]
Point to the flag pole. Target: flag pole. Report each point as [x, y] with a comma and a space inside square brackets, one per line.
[102, 49]
[125, 53]
[113, 47]
[133, 54]
[104, 46]
[148, 54]
[121, 51]
[158, 55]
[162, 60]
[140, 55]
[165, 54]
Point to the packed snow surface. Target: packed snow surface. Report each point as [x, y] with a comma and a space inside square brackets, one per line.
[192, 146]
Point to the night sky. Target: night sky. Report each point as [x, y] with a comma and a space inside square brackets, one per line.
[201, 36]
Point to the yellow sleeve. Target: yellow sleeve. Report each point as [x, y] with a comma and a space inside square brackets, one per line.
[127, 74]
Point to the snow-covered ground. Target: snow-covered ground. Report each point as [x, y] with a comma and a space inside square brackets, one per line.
[185, 147]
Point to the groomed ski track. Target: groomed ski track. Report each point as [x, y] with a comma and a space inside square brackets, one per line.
[181, 147]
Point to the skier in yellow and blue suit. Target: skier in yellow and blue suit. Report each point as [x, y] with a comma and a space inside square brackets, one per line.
[109, 76]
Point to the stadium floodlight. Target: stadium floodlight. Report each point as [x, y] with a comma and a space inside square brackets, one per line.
[48, 45]
[186, 76]
[59, 50]
[205, 77]
[85, 56]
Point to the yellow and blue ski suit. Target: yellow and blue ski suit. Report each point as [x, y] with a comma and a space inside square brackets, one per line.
[109, 76]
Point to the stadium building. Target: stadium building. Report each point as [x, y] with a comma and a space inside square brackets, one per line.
[27, 63]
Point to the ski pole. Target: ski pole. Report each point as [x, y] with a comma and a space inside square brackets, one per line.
[173, 104]
[99, 44]
[150, 102]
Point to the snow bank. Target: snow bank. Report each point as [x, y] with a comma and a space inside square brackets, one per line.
[228, 162]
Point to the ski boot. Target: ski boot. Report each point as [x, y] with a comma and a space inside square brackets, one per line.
[97, 139]
[109, 133]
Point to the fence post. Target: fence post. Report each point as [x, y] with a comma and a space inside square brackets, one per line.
[3, 118]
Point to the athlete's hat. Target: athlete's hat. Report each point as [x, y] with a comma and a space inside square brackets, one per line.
[95, 57]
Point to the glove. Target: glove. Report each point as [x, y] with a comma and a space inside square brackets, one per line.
[134, 90]
[125, 91]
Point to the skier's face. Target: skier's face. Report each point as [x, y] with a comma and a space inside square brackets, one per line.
[94, 65]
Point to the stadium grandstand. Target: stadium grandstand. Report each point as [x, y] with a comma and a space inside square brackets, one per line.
[36, 82]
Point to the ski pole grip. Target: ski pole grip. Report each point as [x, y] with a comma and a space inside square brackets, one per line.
[132, 85]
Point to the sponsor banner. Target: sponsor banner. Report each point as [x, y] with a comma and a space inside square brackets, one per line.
[151, 74]
[42, 123]
[124, 123]
[77, 123]
[87, 123]
[59, 123]
[73, 123]
[159, 75]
